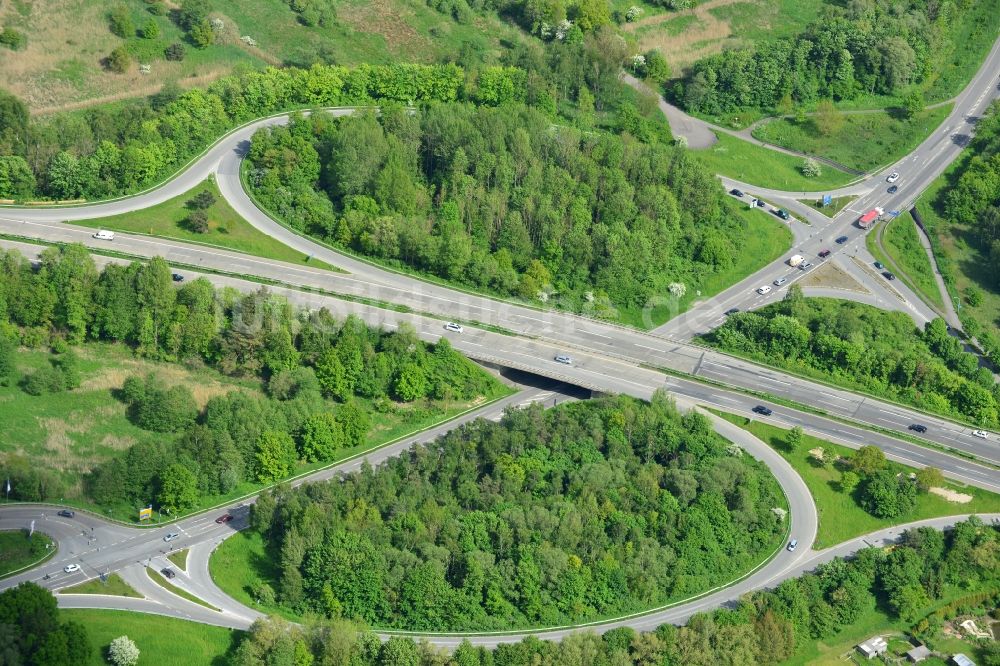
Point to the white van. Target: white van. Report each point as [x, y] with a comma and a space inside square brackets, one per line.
[104, 234]
[796, 260]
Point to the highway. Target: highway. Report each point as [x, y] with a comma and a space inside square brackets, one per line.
[605, 357]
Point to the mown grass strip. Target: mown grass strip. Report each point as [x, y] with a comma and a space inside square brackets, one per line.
[173, 589]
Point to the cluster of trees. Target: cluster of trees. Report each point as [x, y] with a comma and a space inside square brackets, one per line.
[32, 634]
[106, 152]
[502, 200]
[314, 12]
[853, 49]
[324, 377]
[857, 345]
[766, 627]
[548, 517]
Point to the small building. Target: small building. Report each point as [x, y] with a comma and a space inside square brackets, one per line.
[961, 660]
[918, 654]
[875, 646]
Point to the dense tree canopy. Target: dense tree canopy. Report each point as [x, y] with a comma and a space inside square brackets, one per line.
[545, 518]
[503, 200]
[860, 346]
[31, 633]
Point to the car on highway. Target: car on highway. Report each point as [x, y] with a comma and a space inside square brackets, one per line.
[916, 427]
[736, 193]
[780, 281]
[453, 327]
[104, 234]
[170, 536]
[893, 189]
[893, 177]
[71, 568]
[981, 434]
[805, 265]
[824, 253]
[793, 544]
[878, 265]
[177, 277]
[167, 572]
[841, 240]
[762, 410]
[782, 213]
[564, 359]
[731, 311]
[888, 276]
[765, 290]
[224, 518]
[761, 203]
[66, 513]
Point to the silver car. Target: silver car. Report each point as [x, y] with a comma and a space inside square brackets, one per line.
[565, 360]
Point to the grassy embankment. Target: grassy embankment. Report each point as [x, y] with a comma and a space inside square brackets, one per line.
[17, 550]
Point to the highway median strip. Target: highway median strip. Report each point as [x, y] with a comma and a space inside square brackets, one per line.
[159, 579]
[113, 585]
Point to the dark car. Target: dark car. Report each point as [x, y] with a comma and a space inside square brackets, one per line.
[841, 240]
[916, 427]
[782, 213]
[824, 253]
[66, 513]
[762, 410]
[888, 276]
[167, 572]
[224, 518]
[736, 193]
[761, 203]
[893, 189]
[178, 277]
[878, 265]
[732, 311]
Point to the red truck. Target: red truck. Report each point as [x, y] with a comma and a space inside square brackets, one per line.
[871, 217]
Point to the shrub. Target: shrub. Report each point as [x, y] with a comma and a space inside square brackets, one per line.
[44, 380]
[123, 652]
[197, 222]
[175, 52]
[201, 201]
[119, 60]
[151, 30]
[13, 39]
[811, 168]
[121, 22]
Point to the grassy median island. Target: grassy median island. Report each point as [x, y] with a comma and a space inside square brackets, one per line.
[901, 242]
[223, 226]
[566, 515]
[160, 639]
[18, 550]
[114, 585]
[863, 141]
[841, 516]
[763, 167]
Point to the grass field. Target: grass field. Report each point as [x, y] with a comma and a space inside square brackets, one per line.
[114, 586]
[17, 550]
[837, 204]
[756, 165]
[179, 558]
[225, 227]
[240, 564]
[61, 67]
[766, 238]
[161, 640]
[840, 516]
[902, 243]
[865, 141]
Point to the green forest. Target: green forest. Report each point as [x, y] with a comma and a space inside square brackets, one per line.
[328, 382]
[503, 200]
[550, 517]
[859, 346]
[854, 50]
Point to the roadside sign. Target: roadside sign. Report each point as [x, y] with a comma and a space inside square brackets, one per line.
[827, 199]
[146, 513]
[894, 213]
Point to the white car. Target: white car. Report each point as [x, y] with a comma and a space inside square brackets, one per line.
[71, 568]
[452, 326]
[981, 434]
[893, 177]
[780, 281]
[804, 266]
[763, 291]
[565, 360]
[171, 536]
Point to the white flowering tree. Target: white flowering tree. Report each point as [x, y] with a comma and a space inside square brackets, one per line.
[677, 289]
[811, 168]
[123, 652]
[633, 13]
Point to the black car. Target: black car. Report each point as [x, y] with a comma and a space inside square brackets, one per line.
[167, 572]
[878, 265]
[732, 311]
[824, 253]
[66, 513]
[762, 410]
[888, 276]
[178, 277]
[916, 427]
[893, 189]
[841, 240]
[761, 203]
[736, 193]
[782, 213]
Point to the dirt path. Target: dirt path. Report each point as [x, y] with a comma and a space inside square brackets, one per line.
[144, 91]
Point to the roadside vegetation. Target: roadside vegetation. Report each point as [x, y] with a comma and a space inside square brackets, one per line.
[502, 201]
[114, 585]
[18, 550]
[860, 491]
[860, 347]
[203, 216]
[837, 204]
[901, 242]
[863, 141]
[193, 395]
[763, 167]
[440, 539]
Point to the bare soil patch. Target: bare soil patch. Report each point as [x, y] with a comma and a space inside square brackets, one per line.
[699, 38]
[391, 22]
[951, 495]
[832, 276]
